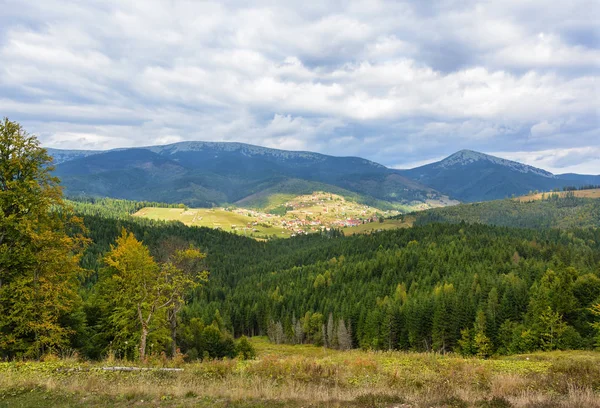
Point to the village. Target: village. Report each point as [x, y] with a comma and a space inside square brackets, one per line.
[292, 216]
[312, 213]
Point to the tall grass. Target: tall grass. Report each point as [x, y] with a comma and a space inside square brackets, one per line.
[306, 375]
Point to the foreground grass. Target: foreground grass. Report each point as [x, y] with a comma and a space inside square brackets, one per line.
[306, 376]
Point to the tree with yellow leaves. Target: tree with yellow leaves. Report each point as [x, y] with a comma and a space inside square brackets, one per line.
[141, 291]
[40, 245]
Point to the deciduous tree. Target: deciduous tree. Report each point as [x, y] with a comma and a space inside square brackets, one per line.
[40, 245]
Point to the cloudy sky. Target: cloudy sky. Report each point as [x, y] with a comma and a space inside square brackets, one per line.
[400, 83]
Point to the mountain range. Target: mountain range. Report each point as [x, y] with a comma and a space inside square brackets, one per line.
[216, 173]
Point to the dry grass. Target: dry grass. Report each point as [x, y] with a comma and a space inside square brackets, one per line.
[310, 376]
[592, 193]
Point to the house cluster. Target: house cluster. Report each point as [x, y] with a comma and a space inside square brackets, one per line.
[348, 222]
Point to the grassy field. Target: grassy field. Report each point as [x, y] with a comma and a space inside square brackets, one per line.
[387, 224]
[592, 193]
[308, 376]
[265, 202]
[213, 218]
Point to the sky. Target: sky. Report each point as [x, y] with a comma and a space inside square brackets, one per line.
[399, 83]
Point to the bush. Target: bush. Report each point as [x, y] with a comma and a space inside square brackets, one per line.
[244, 349]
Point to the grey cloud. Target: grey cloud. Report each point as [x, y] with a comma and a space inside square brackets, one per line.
[396, 82]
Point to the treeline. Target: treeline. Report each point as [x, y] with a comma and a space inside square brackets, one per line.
[584, 187]
[420, 289]
[112, 207]
[554, 211]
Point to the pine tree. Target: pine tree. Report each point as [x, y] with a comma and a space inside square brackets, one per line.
[183, 271]
[552, 327]
[595, 309]
[443, 316]
[481, 342]
[298, 333]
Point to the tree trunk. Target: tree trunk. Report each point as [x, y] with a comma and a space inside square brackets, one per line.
[143, 342]
[173, 323]
[145, 330]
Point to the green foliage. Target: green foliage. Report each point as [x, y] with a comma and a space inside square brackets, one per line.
[244, 349]
[563, 212]
[40, 245]
[412, 289]
[111, 207]
[482, 290]
[595, 309]
[200, 341]
[136, 291]
[551, 327]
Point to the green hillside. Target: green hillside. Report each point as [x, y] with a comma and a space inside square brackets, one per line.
[553, 211]
[415, 289]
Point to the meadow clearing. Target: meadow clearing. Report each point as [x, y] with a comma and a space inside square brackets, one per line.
[309, 376]
[219, 218]
[591, 193]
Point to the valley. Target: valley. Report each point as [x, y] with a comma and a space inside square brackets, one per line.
[282, 218]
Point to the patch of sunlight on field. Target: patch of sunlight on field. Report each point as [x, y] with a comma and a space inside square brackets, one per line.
[393, 360]
[215, 218]
[592, 193]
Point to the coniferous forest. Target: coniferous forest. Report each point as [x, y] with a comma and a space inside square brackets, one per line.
[84, 275]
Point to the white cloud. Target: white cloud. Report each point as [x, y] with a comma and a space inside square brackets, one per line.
[545, 50]
[543, 129]
[584, 160]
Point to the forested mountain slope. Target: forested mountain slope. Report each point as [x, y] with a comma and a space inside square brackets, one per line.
[213, 173]
[206, 174]
[417, 288]
[551, 212]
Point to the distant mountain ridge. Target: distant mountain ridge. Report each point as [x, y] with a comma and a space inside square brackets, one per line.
[465, 157]
[215, 173]
[472, 176]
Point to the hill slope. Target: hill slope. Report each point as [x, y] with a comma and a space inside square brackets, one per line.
[552, 212]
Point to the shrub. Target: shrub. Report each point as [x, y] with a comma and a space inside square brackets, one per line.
[244, 349]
